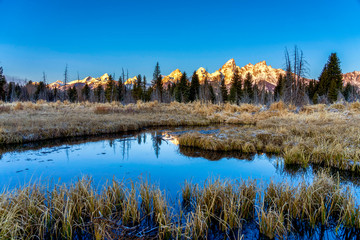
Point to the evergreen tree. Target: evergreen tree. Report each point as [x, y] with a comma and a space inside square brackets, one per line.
[331, 79]
[348, 92]
[232, 95]
[137, 88]
[312, 88]
[279, 89]
[333, 92]
[144, 98]
[182, 89]
[324, 83]
[56, 94]
[334, 71]
[85, 91]
[157, 82]
[2, 85]
[224, 91]
[315, 98]
[110, 89]
[248, 88]
[194, 87]
[98, 93]
[120, 90]
[17, 91]
[237, 76]
[235, 89]
[39, 92]
[72, 94]
[10, 92]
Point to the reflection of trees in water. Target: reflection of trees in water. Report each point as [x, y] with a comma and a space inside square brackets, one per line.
[294, 170]
[291, 171]
[157, 139]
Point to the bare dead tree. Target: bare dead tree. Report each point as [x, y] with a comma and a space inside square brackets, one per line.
[296, 70]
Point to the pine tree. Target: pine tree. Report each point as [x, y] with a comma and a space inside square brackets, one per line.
[110, 89]
[235, 89]
[182, 89]
[137, 88]
[279, 89]
[311, 89]
[85, 91]
[55, 94]
[324, 83]
[120, 90]
[40, 89]
[144, 89]
[334, 71]
[333, 92]
[232, 95]
[17, 91]
[10, 92]
[157, 81]
[315, 98]
[331, 78]
[194, 87]
[98, 93]
[72, 94]
[348, 90]
[248, 88]
[2, 85]
[224, 91]
[238, 85]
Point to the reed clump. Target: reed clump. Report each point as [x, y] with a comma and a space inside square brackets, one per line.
[215, 209]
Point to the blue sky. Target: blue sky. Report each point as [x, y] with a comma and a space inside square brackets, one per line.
[94, 37]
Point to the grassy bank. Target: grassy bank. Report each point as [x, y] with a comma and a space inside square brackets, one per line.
[328, 136]
[325, 135]
[214, 209]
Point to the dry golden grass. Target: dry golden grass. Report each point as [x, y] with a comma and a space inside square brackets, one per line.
[216, 209]
[316, 134]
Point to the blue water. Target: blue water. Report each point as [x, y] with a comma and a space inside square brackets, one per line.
[151, 154]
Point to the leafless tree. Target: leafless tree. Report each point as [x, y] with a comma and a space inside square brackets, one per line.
[296, 70]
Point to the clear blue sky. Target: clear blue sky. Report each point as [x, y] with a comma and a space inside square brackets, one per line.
[94, 37]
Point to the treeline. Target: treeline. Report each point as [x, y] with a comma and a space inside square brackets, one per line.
[292, 88]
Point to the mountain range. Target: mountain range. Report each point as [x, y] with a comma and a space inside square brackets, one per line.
[262, 74]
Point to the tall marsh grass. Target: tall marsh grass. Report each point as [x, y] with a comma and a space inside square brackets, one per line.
[214, 209]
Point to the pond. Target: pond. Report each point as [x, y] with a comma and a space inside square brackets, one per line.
[152, 154]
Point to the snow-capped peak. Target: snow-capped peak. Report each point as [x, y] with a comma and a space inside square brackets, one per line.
[230, 64]
[104, 77]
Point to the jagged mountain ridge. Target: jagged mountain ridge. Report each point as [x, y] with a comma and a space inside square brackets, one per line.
[353, 78]
[262, 74]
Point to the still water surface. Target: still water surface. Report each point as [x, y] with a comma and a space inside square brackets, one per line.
[153, 154]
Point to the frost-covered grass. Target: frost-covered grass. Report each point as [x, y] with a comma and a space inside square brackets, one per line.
[216, 209]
